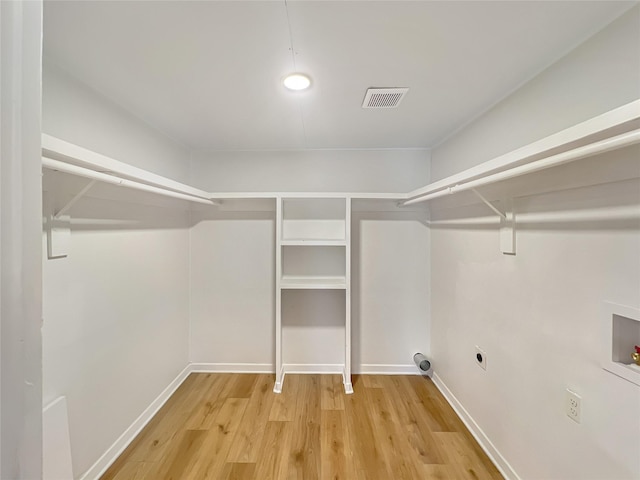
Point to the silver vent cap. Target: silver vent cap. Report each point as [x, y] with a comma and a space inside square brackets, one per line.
[384, 97]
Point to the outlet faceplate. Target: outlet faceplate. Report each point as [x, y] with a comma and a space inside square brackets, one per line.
[573, 406]
[481, 358]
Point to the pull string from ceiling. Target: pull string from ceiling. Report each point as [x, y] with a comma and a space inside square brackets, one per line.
[295, 69]
[291, 48]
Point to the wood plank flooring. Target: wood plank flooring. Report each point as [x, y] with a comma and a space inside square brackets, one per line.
[232, 426]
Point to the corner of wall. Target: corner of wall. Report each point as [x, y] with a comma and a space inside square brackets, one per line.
[598, 75]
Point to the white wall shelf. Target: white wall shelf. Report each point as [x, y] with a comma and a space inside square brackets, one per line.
[274, 195]
[75, 160]
[61, 156]
[313, 242]
[289, 282]
[614, 129]
[611, 130]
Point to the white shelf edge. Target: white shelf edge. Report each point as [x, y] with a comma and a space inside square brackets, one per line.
[563, 139]
[301, 242]
[274, 195]
[62, 150]
[59, 149]
[290, 282]
[67, 152]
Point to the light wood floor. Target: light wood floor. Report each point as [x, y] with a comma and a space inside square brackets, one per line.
[231, 426]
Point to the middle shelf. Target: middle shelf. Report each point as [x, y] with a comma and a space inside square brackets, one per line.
[313, 242]
[293, 282]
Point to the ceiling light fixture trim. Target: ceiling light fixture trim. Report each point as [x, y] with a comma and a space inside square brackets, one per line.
[297, 81]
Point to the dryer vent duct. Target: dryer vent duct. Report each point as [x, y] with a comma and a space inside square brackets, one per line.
[384, 97]
[422, 362]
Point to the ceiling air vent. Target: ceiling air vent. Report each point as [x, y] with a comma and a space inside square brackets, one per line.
[384, 97]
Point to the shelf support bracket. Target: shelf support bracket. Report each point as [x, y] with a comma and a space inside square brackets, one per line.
[58, 225]
[57, 228]
[75, 198]
[489, 204]
[508, 228]
[507, 223]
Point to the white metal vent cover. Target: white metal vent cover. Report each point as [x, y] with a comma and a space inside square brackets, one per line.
[384, 97]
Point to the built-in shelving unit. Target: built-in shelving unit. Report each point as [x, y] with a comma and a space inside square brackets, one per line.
[313, 252]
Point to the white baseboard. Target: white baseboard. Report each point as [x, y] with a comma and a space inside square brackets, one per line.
[113, 452]
[489, 448]
[232, 367]
[365, 369]
[373, 369]
[336, 368]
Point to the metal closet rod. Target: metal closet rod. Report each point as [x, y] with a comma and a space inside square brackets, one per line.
[585, 151]
[52, 164]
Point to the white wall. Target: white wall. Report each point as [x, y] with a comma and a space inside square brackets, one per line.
[74, 112]
[390, 289]
[311, 171]
[537, 314]
[116, 310]
[232, 288]
[232, 266]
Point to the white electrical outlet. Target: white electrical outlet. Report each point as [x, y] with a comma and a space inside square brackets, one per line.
[481, 358]
[573, 406]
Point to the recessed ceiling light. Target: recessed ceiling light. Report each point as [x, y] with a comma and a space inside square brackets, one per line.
[297, 81]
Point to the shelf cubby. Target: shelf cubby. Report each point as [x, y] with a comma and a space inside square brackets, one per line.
[313, 220]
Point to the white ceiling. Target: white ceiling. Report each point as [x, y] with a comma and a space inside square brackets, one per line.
[209, 73]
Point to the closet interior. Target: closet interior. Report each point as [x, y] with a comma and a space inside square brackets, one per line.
[169, 250]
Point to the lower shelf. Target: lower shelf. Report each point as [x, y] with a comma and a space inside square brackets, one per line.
[313, 369]
[289, 282]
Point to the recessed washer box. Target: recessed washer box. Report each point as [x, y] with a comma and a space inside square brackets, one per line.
[621, 333]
